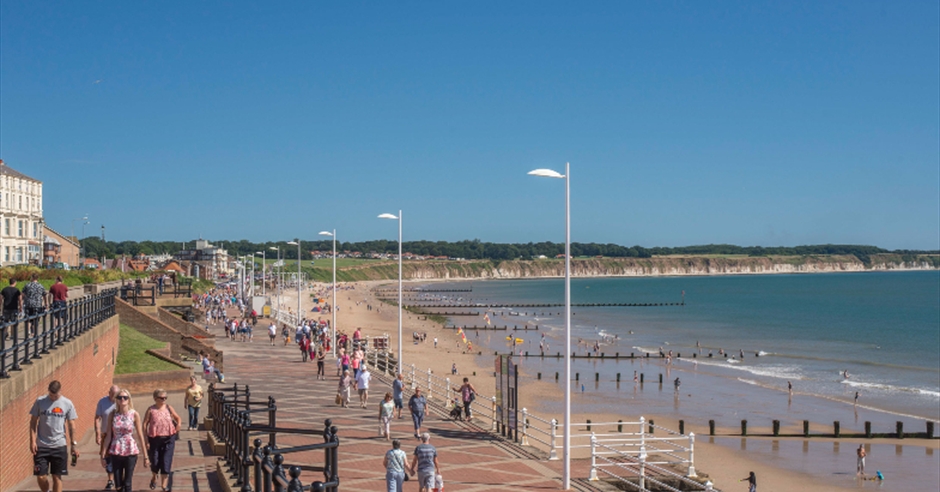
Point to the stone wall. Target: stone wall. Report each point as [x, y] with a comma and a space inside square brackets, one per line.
[84, 366]
[185, 327]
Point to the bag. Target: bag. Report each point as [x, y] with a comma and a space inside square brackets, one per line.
[339, 399]
[473, 396]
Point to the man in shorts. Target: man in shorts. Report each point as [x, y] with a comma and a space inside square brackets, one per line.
[362, 384]
[50, 416]
[426, 464]
[34, 301]
[12, 302]
[60, 296]
[398, 387]
[103, 424]
[272, 332]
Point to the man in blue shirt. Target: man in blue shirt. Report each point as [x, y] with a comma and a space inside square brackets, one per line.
[417, 404]
[426, 464]
[397, 388]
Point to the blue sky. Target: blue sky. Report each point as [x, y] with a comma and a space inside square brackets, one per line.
[752, 123]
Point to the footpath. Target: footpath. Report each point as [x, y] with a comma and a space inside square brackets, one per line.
[470, 458]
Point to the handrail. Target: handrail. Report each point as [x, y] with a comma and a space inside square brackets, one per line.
[36, 334]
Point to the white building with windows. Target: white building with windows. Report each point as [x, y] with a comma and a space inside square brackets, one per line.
[21, 223]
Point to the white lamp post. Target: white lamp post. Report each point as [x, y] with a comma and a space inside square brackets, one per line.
[398, 218]
[298, 278]
[566, 440]
[264, 265]
[278, 249]
[333, 309]
[251, 284]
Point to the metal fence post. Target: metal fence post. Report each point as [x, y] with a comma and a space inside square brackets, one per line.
[493, 399]
[642, 467]
[642, 433]
[414, 382]
[593, 477]
[525, 428]
[429, 384]
[446, 391]
[552, 453]
[691, 454]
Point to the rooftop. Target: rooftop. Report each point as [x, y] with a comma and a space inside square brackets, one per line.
[9, 171]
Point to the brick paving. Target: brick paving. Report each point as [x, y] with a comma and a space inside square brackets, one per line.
[471, 459]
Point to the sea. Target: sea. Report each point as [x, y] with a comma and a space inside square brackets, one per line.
[830, 335]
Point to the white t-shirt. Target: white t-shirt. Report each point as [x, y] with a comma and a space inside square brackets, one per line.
[272, 330]
[362, 380]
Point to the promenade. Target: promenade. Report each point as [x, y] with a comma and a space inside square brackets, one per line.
[471, 459]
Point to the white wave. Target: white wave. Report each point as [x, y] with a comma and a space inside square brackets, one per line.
[732, 361]
[763, 354]
[771, 370]
[647, 350]
[891, 388]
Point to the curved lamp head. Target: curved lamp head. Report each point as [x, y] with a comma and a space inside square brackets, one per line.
[272, 248]
[326, 233]
[546, 173]
[388, 216]
[293, 243]
[259, 252]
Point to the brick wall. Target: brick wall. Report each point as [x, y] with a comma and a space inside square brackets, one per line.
[84, 366]
[154, 328]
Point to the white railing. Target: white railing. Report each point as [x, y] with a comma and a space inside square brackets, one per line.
[637, 471]
[621, 443]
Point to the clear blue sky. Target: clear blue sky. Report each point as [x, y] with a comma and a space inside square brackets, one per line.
[752, 123]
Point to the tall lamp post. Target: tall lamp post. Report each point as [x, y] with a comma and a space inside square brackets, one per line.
[333, 308]
[251, 284]
[566, 440]
[264, 265]
[398, 218]
[278, 249]
[298, 277]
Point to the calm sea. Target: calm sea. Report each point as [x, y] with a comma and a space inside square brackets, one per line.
[882, 328]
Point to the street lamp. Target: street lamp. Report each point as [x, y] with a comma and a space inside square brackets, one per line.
[298, 278]
[251, 284]
[278, 249]
[264, 264]
[333, 309]
[80, 244]
[398, 218]
[566, 440]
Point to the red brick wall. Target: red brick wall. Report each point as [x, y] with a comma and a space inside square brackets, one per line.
[84, 366]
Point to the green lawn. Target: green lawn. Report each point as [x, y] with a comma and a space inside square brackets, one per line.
[132, 357]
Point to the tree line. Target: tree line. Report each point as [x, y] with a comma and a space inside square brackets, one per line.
[476, 249]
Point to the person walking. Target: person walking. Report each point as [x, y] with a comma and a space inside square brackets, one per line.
[467, 395]
[386, 412]
[417, 404]
[12, 302]
[362, 384]
[50, 416]
[344, 383]
[194, 396]
[398, 388]
[426, 463]
[321, 363]
[34, 301]
[394, 464]
[119, 447]
[161, 423]
[272, 332]
[102, 423]
[60, 295]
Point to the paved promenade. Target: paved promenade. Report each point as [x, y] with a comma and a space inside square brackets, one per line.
[471, 459]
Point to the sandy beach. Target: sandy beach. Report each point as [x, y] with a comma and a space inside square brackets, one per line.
[816, 464]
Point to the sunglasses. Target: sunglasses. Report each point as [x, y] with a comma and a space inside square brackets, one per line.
[160, 398]
[123, 397]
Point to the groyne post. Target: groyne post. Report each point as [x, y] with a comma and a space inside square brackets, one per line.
[930, 429]
[900, 429]
[744, 427]
[836, 429]
[776, 428]
[682, 427]
[867, 429]
[711, 427]
[806, 428]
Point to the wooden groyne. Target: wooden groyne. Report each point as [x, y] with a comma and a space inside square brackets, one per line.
[505, 305]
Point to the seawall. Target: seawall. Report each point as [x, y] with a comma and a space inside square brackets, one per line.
[84, 366]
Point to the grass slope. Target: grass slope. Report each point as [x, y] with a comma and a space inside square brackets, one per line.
[132, 356]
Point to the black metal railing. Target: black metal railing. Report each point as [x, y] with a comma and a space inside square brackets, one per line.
[231, 409]
[183, 287]
[138, 294]
[26, 338]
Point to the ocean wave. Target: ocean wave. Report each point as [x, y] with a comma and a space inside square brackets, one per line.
[891, 388]
[647, 350]
[772, 371]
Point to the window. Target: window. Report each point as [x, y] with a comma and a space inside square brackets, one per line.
[19, 254]
[7, 231]
[21, 202]
[35, 229]
[8, 254]
[21, 228]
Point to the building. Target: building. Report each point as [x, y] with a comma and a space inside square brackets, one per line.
[58, 248]
[21, 224]
[206, 261]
